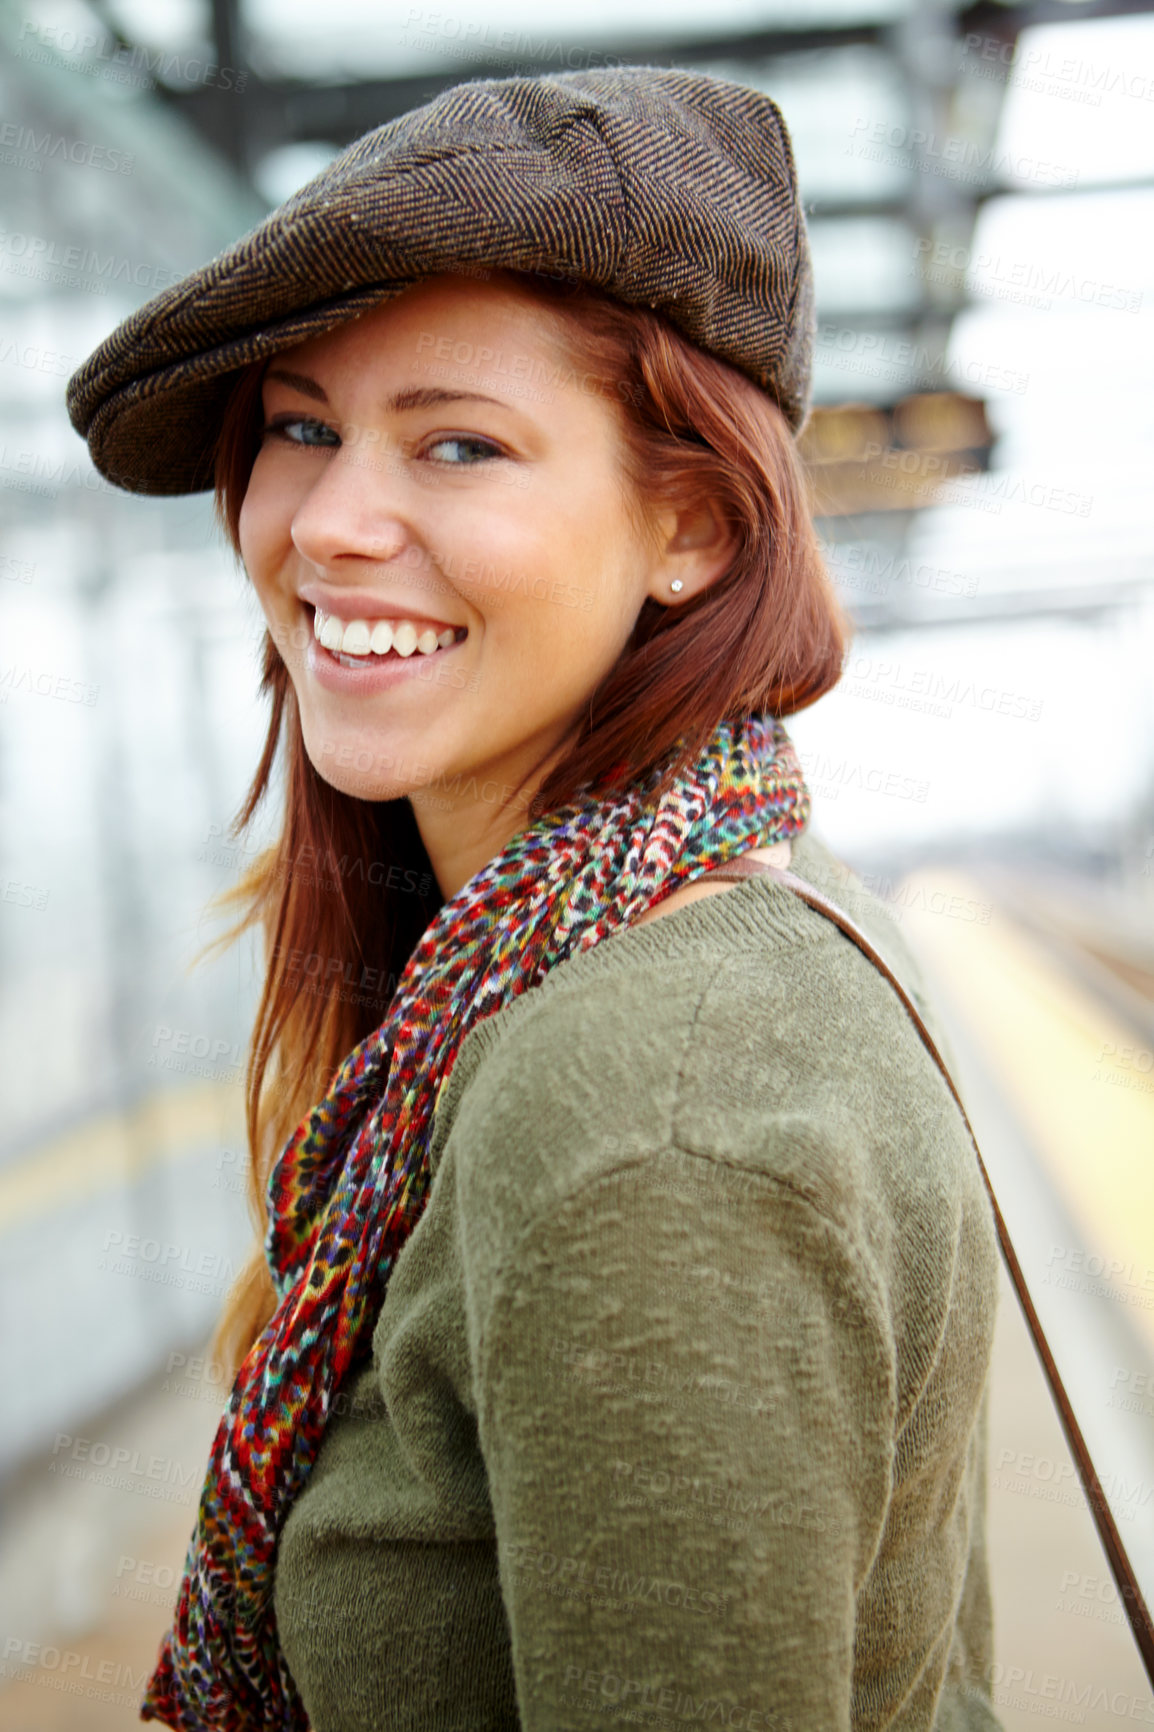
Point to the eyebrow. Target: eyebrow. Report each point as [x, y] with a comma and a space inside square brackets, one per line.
[415, 397]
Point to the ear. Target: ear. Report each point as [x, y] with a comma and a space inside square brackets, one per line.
[695, 546]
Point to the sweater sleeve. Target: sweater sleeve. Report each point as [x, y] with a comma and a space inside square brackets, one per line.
[686, 1397]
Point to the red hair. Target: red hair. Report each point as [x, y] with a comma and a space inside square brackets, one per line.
[769, 635]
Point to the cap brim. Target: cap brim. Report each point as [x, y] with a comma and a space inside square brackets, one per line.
[157, 433]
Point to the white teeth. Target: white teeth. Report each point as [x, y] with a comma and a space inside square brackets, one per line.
[356, 638]
[359, 637]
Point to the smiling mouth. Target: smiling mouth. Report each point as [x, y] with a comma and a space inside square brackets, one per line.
[358, 643]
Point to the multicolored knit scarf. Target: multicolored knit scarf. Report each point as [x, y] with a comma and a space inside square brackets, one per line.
[352, 1182]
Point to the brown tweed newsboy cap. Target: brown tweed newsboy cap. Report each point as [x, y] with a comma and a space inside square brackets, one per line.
[665, 188]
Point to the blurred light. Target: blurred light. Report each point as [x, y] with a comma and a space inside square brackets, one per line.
[1081, 94]
[168, 24]
[285, 170]
[862, 264]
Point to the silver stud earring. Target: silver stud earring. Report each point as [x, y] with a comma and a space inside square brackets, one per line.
[676, 586]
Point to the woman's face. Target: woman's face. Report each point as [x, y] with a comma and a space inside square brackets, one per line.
[437, 462]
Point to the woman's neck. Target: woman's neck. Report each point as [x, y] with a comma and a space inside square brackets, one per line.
[461, 837]
[487, 808]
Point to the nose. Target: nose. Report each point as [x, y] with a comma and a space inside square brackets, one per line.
[352, 511]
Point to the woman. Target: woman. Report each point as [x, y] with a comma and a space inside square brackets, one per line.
[623, 1334]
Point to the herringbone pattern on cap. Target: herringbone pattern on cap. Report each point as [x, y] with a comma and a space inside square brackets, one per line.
[666, 188]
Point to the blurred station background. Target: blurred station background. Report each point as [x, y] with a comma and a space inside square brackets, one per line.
[979, 186]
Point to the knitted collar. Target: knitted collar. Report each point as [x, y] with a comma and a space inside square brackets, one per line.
[352, 1182]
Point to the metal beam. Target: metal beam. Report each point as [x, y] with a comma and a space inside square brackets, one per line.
[278, 111]
[819, 209]
[992, 18]
[228, 122]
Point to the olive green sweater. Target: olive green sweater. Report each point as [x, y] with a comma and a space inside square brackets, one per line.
[675, 1411]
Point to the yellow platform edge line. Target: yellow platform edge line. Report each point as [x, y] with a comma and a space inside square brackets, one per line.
[1070, 1068]
[114, 1148]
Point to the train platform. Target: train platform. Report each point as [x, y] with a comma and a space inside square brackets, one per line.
[1054, 1068]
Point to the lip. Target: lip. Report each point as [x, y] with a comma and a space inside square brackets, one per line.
[378, 673]
[367, 604]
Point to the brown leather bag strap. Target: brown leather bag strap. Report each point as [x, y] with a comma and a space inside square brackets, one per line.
[1128, 1589]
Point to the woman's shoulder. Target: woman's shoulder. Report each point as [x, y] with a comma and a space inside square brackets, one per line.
[744, 1031]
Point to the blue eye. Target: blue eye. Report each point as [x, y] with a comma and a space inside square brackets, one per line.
[281, 429]
[304, 430]
[482, 446]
